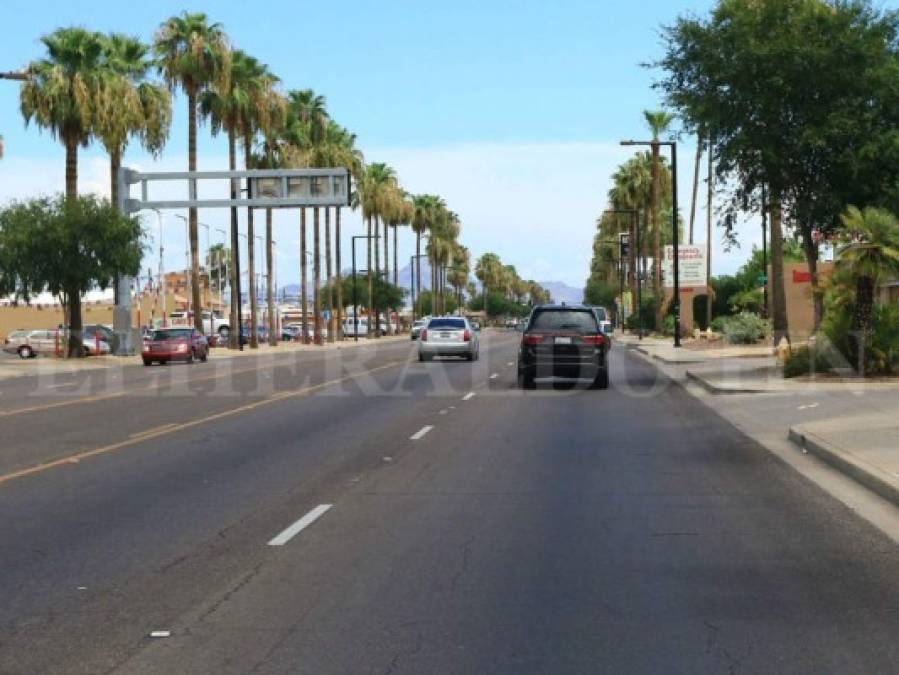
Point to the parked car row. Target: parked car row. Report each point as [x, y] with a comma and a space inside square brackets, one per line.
[27, 344]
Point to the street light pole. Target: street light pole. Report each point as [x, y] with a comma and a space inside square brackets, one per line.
[674, 234]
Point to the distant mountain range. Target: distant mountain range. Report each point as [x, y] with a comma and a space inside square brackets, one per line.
[560, 291]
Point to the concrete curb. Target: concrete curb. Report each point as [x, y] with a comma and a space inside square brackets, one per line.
[875, 479]
[714, 389]
[670, 362]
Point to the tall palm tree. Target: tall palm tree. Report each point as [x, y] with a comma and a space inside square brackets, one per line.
[489, 270]
[61, 90]
[426, 211]
[59, 95]
[350, 157]
[129, 105]
[230, 105]
[658, 121]
[271, 155]
[632, 187]
[871, 255]
[400, 216]
[193, 55]
[377, 186]
[306, 129]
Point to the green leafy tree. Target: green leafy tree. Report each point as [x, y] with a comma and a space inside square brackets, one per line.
[66, 246]
[193, 55]
[812, 143]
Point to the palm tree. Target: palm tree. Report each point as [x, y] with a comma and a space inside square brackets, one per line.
[193, 55]
[871, 255]
[489, 270]
[658, 122]
[377, 186]
[128, 105]
[400, 216]
[350, 157]
[426, 211]
[59, 95]
[632, 190]
[231, 105]
[306, 130]
[61, 90]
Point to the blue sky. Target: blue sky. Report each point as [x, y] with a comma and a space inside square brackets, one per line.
[510, 110]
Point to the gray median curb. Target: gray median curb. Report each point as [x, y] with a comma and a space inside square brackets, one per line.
[874, 478]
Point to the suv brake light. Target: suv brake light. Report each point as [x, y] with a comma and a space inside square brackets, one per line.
[530, 339]
[423, 335]
[598, 340]
[466, 336]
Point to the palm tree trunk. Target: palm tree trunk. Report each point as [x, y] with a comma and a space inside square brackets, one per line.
[270, 280]
[778, 295]
[329, 280]
[708, 240]
[632, 261]
[695, 184]
[396, 280]
[303, 274]
[251, 259]
[387, 271]
[115, 161]
[234, 332]
[864, 318]
[192, 214]
[368, 262]
[338, 281]
[418, 274]
[656, 239]
[316, 279]
[71, 168]
[377, 312]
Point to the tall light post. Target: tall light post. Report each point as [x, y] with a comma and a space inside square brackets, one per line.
[187, 274]
[635, 224]
[355, 288]
[161, 272]
[674, 229]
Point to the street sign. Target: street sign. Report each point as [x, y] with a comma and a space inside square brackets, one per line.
[624, 244]
[762, 279]
[692, 266]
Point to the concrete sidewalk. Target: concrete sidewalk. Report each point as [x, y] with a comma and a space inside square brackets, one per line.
[850, 423]
[864, 447]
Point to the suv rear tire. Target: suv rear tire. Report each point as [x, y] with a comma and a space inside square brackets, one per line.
[602, 379]
[25, 352]
[526, 381]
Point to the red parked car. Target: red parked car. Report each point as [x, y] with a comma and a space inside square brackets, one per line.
[175, 344]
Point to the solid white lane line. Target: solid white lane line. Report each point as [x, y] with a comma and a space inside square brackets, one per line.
[300, 525]
[420, 433]
[496, 375]
[468, 396]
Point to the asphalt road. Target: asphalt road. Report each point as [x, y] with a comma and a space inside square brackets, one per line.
[430, 518]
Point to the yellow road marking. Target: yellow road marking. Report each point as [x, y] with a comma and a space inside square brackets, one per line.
[181, 426]
[150, 387]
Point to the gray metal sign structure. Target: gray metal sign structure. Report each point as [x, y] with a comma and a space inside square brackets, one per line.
[265, 188]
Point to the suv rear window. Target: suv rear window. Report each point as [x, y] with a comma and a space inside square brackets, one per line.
[564, 319]
[456, 324]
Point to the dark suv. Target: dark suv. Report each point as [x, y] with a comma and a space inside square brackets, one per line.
[563, 341]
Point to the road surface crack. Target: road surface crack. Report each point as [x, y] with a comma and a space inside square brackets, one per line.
[230, 593]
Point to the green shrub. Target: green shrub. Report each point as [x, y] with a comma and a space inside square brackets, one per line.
[718, 323]
[745, 328]
[807, 360]
[668, 325]
[882, 349]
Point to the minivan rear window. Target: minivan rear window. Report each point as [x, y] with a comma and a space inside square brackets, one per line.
[453, 324]
[564, 319]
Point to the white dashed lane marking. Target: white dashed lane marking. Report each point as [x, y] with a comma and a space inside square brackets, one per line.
[420, 433]
[300, 525]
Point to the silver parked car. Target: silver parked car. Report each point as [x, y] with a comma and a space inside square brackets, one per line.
[448, 336]
[417, 325]
[30, 343]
